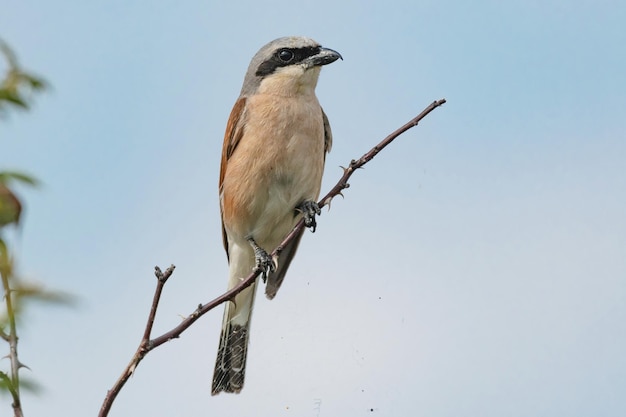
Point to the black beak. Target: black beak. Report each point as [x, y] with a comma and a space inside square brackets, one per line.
[324, 57]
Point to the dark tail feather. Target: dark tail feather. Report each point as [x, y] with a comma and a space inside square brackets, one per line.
[230, 366]
[275, 279]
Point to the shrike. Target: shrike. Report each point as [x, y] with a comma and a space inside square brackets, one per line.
[275, 145]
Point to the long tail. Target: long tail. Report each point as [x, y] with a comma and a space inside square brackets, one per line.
[230, 365]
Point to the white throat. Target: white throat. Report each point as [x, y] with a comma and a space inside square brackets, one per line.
[291, 81]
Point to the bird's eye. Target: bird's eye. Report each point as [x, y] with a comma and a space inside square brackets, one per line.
[285, 55]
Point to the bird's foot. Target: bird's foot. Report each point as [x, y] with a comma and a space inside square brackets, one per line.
[262, 259]
[309, 209]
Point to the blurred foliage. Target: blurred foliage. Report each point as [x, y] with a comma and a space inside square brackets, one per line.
[26, 384]
[23, 292]
[16, 90]
[10, 205]
[17, 86]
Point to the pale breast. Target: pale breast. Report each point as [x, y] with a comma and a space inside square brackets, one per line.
[277, 165]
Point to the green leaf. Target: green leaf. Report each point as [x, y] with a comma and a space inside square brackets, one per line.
[34, 292]
[35, 82]
[6, 384]
[8, 53]
[5, 260]
[27, 384]
[4, 252]
[13, 98]
[10, 206]
[6, 176]
[16, 86]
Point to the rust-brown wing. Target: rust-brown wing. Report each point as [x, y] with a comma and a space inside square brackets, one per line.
[234, 132]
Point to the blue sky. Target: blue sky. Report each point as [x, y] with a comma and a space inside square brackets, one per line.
[475, 267]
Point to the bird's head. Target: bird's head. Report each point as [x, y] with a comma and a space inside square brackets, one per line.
[287, 66]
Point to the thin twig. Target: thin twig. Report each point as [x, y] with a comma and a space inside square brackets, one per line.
[147, 345]
[13, 382]
[161, 280]
[342, 184]
[144, 345]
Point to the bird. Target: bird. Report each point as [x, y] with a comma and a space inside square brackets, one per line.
[273, 156]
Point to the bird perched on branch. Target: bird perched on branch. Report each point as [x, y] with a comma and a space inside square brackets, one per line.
[275, 145]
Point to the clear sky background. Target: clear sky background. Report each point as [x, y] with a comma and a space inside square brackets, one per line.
[477, 267]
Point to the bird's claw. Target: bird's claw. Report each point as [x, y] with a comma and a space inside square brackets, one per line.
[309, 209]
[262, 260]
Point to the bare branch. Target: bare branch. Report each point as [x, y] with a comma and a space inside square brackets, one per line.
[146, 345]
[161, 280]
